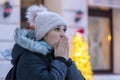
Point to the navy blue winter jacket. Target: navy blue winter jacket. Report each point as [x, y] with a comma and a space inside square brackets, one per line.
[37, 61]
[34, 66]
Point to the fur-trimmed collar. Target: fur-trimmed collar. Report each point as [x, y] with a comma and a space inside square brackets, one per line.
[26, 39]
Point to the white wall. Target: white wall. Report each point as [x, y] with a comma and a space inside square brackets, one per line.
[116, 39]
[54, 5]
[7, 27]
[106, 77]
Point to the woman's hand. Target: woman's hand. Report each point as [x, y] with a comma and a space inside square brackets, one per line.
[62, 49]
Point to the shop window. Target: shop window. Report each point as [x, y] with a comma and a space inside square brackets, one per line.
[100, 40]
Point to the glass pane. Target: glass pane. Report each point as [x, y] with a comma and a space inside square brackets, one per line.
[100, 42]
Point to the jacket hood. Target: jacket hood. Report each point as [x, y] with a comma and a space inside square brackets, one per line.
[25, 39]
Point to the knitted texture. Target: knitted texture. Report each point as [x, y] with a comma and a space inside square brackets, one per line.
[43, 20]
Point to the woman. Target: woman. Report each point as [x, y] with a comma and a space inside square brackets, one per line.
[45, 50]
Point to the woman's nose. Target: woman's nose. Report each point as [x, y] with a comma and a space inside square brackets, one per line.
[62, 34]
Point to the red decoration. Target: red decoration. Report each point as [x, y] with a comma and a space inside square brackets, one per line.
[81, 31]
[79, 15]
[8, 9]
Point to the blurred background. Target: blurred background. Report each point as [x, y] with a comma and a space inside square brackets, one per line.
[93, 30]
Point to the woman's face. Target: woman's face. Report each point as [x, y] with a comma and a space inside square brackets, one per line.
[54, 35]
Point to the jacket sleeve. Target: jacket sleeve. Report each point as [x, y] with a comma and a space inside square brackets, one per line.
[73, 73]
[38, 69]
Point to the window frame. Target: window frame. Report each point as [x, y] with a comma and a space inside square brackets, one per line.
[97, 12]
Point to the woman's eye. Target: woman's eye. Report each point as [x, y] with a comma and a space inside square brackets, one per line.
[57, 29]
[64, 30]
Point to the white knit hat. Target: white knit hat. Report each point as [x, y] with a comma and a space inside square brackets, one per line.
[43, 20]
